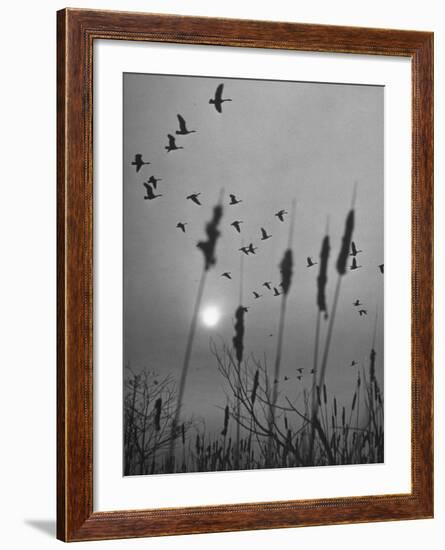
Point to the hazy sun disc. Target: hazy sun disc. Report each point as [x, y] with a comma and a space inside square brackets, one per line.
[210, 316]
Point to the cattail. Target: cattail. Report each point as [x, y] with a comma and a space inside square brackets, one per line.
[255, 386]
[333, 422]
[354, 399]
[318, 396]
[343, 417]
[239, 333]
[372, 365]
[358, 380]
[157, 420]
[183, 433]
[285, 422]
[346, 244]
[226, 421]
[335, 407]
[197, 444]
[325, 397]
[286, 271]
[322, 278]
[212, 232]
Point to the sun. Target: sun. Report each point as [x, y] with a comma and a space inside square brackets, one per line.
[210, 316]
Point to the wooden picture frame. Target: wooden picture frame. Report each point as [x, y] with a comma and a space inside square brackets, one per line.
[76, 32]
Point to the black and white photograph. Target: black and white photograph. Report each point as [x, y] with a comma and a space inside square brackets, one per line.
[253, 274]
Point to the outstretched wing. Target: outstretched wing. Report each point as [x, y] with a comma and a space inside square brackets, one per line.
[149, 189]
[232, 197]
[171, 141]
[354, 263]
[263, 233]
[218, 93]
[353, 247]
[182, 124]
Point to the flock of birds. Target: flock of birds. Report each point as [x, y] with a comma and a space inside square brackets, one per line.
[151, 186]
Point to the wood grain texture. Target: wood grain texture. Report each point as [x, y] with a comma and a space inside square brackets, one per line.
[76, 32]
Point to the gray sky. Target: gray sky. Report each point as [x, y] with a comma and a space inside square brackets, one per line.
[273, 142]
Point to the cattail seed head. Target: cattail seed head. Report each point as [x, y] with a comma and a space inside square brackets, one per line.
[286, 266]
[322, 278]
[346, 244]
[226, 421]
[157, 419]
[325, 397]
[212, 232]
[255, 386]
[238, 339]
[183, 433]
[335, 407]
[372, 365]
[354, 399]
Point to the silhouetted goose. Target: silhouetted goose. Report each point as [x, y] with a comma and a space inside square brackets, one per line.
[233, 199]
[280, 215]
[299, 377]
[268, 285]
[256, 295]
[194, 197]
[381, 267]
[227, 275]
[353, 363]
[300, 370]
[363, 312]
[154, 181]
[357, 303]
[138, 162]
[150, 194]
[244, 249]
[310, 263]
[181, 225]
[236, 224]
[276, 292]
[252, 248]
[218, 99]
[264, 235]
[354, 250]
[172, 144]
[286, 378]
[354, 265]
[183, 127]
[312, 371]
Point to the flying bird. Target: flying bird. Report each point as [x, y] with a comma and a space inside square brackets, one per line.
[256, 295]
[171, 144]
[236, 224]
[310, 263]
[362, 312]
[354, 264]
[150, 194]
[312, 371]
[252, 248]
[233, 199]
[245, 309]
[353, 363]
[381, 267]
[299, 377]
[183, 127]
[181, 225]
[286, 378]
[354, 250]
[244, 249]
[264, 235]
[194, 197]
[227, 275]
[300, 370]
[268, 285]
[276, 292]
[218, 99]
[138, 162]
[280, 215]
[357, 303]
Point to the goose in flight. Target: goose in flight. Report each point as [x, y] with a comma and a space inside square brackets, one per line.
[138, 162]
[181, 225]
[353, 363]
[183, 127]
[354, 250]
[280, 215]
[218, 99]
[362, 312]
[256, 295]
[244, 249]
[310, 263]
[357, 303]
[276, 292]
[354, 264]
[299, 377]
[154, 181]
[150, 194]
[234, 200]
[264, 235]
[172, 144]
[252, 248]
[194, 197]
[268, 285]
[381, 267]
[236, 224]
[300, 370]
[227, 275]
